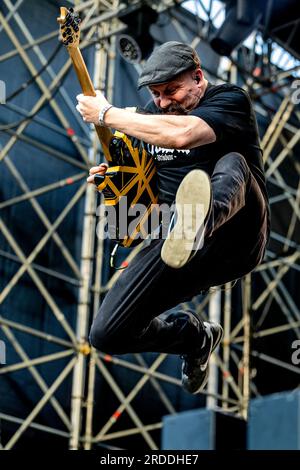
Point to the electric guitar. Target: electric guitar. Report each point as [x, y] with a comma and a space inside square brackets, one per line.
[129, 185]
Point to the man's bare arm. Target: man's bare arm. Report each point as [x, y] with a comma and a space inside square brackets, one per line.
[168, 131]
[181, 132]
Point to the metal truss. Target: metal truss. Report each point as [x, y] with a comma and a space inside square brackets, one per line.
[232, 379]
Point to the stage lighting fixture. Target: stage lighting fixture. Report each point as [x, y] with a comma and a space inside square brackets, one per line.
[242, 17]
[136, 43]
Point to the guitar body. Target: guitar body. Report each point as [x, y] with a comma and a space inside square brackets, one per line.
[129, 185]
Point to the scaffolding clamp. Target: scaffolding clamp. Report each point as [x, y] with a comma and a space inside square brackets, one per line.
[84, 349]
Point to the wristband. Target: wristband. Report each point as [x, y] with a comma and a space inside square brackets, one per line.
[102, 113]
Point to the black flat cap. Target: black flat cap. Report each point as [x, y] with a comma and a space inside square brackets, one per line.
[167, 61]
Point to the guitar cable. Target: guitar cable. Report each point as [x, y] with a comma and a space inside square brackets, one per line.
[25, 85]
[34, 77]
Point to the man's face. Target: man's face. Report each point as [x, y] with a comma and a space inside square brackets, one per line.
[180, 95]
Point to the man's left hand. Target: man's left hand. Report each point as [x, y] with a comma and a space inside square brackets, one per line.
[90, 106]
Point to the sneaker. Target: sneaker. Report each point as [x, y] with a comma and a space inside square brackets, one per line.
[193, 206]
[195, 369]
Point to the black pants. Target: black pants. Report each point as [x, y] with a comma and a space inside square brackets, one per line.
[128, 320]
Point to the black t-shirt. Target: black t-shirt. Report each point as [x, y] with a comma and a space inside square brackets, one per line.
[227, 109]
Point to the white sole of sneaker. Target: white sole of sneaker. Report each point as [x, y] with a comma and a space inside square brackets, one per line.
[192, 205]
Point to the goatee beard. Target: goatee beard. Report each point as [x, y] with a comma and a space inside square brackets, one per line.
[174, 108]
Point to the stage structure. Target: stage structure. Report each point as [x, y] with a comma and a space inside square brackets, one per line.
[54, 263]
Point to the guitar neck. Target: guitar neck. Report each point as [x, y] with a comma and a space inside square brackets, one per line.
[88, 89]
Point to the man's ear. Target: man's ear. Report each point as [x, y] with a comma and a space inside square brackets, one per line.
[198, 74]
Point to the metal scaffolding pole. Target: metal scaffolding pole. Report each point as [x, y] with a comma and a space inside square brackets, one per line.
[226, 341]
[87, 256]
[102, 70]
[246, 346]
[214, 310]
[87, 268]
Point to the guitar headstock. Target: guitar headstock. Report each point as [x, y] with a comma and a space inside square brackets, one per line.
[69, 27]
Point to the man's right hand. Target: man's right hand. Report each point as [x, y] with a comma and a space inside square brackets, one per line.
[100, 169]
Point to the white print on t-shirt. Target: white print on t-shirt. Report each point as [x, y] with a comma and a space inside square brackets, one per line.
[162, 154]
